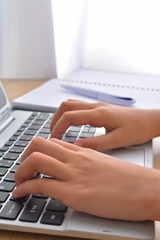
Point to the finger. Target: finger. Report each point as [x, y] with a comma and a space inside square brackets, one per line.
[38, 162]
[50, 148]
[66, 145]
[79, 117]
[108, 141]
[70, 105]
[49, 187]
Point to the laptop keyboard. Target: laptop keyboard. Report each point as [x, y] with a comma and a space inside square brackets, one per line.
[34, 207]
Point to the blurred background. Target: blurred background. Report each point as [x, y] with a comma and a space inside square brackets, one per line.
[26, 39]
[43, 39]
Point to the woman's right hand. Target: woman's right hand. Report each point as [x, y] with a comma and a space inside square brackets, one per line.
[124, 126]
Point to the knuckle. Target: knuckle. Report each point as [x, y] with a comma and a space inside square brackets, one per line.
[36, 143]
[102, 104]
[102, 110]
[65, 105]
[35, 158]
[66, 116]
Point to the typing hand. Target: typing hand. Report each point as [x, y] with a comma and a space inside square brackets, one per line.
[89, 181]
[124, 126]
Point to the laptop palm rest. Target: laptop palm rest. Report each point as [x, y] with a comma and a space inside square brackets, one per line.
[95, 227]
[131, 155]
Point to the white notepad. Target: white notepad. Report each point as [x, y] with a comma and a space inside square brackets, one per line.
[145, 89]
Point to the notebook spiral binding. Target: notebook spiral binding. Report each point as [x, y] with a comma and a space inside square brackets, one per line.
[103, 84]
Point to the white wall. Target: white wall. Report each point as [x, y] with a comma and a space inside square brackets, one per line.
[69, 23]
[123, 35]
[120, 35]
[26, 39]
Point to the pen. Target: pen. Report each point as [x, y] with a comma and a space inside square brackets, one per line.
[101, 96]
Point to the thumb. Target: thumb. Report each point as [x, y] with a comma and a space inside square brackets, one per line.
[110, 140]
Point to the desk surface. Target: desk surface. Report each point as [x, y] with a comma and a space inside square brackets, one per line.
[15, 88]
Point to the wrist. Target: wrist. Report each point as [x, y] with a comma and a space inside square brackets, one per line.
[153, 196]
[154, 116]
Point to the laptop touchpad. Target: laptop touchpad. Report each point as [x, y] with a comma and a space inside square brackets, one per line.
[132, 155]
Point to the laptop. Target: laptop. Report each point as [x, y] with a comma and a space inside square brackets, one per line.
[40, 214]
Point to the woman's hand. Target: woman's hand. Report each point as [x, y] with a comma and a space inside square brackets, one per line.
[89, 181]
[124, 126]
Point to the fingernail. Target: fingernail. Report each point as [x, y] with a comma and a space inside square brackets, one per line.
[78, 143]
[15, 192]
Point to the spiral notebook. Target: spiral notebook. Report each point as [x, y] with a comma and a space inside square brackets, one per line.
[145, 89]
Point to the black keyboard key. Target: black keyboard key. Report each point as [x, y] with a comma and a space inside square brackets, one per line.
[33, 210]
[69, 139]
[92, 130]
[34, 127]
[10, 177]
[75, 128]
[11, 156]
[43, 135]
[3, 171]
[22, 199]
[85, 135]
[26, 137]
[49, 121]
[21, 129]
[13, 138]
[38, 195]
[16, 150]
[32, 117]
[18, 162]
[3, 196]
[43, 116]
[4, 149]
[85, 129]
[45, 130]
[72, 134]
[28, 121]
[52, 218]
[38, 122]
[56, 206]
[30, 132]
[6, 163]
[17, 134]
[21, 143]
[14, 168]
[34, 114]
[9, 143]
[47, 125]
[25, 125]
[7, 186]
[11, 210]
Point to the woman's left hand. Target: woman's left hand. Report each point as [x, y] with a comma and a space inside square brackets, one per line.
[89, 181]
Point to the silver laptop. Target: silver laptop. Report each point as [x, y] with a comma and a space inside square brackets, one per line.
[41, 214]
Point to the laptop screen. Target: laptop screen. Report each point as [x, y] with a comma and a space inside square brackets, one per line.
[3, 100]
